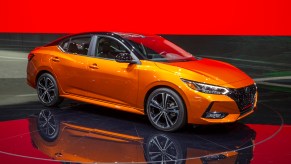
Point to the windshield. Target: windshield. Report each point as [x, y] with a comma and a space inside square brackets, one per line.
[157, 48]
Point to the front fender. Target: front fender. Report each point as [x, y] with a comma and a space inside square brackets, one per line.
[164, 79]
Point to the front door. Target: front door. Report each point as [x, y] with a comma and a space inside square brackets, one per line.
[109, 80]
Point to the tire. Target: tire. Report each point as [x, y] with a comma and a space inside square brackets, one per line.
[48, 125]
[170, 118]
[161, 148]
[47, 90]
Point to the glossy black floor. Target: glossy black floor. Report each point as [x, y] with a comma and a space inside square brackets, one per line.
[78, 132]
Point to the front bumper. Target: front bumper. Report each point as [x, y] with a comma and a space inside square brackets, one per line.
[234, 106]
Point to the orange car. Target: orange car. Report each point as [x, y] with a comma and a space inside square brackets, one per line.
[144, 74]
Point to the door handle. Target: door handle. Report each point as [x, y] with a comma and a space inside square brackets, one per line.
[93, 66]
[55, 59]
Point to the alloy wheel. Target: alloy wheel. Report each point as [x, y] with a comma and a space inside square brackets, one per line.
[163, 110]
[47, 123]
[162, 149]
[46, 89]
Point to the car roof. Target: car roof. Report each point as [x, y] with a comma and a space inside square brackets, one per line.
[114, 34]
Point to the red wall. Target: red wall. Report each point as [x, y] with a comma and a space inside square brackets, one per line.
[210, 17]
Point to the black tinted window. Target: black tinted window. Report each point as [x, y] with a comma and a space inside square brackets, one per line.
[65, 45]
[109, 48]
[78, 45]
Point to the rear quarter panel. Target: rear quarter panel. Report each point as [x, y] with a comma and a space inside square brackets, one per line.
[40, 63]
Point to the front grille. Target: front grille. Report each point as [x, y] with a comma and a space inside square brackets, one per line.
[244, 97]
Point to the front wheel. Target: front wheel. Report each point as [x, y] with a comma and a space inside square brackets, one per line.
[47, 90]
[166, 110]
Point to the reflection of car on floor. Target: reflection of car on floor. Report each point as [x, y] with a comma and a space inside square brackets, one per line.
[144, 74]
[70, 136]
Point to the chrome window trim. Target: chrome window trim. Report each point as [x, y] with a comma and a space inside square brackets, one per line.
[73, 37]
[93, 46]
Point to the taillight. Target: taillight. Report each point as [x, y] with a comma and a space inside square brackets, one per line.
[30, 56]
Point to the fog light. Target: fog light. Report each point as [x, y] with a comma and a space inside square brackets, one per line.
[215, 115]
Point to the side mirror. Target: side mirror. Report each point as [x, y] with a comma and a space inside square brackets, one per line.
[124, 57]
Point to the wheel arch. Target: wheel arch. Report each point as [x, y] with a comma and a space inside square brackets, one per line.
[40, 73]
[44, 70]
[180, 93]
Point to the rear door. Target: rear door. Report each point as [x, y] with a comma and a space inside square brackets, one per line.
[70, 65]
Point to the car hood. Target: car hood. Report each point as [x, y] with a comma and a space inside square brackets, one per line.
[207, 71]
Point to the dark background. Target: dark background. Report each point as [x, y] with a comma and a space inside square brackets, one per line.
[259, 56]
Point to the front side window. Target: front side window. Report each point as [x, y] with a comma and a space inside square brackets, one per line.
[109, 48]
[78, 45]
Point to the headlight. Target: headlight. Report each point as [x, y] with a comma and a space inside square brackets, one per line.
[206, 88]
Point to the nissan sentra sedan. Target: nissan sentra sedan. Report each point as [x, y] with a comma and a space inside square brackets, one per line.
[143, 74]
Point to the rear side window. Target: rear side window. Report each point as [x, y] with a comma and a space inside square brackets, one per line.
[64, 45]
[78, 45]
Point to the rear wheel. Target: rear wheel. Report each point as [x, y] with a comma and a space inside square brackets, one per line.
[165, 110]
[48, 125]
[47, 90]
